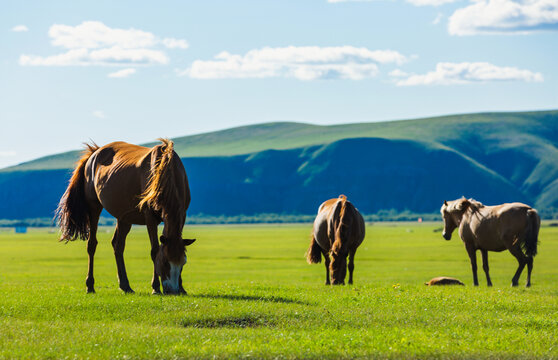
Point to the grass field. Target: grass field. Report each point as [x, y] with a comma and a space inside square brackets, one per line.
[251, 294]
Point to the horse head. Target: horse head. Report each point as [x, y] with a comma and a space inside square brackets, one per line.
[452, 213]
[171, 258]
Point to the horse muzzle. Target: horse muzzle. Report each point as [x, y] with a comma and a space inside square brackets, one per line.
[446, 235]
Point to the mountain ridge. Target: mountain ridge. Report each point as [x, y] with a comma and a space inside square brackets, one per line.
[404, 165]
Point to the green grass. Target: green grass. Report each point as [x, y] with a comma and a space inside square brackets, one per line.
[251, 294]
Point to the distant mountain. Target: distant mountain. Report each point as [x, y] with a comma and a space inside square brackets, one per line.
[291, 168]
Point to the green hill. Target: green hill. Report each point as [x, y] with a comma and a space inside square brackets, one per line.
[289, 167]
[506, 128]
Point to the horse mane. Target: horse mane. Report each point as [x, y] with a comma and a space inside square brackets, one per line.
[342, 225]
[161, 193]
[475, 205]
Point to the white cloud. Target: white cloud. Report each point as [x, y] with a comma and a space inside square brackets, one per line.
[8, 153]
[122, 73]
[304, 63]
[398, 73]
[94, 43]
[95, 34]
[172, 43]
[466, 72]
[99, 114]
[20, 28]
[504, 16]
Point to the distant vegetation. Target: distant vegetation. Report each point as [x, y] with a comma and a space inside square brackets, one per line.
[399, 167]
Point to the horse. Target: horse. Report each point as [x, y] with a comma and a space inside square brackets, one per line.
[136, 185]
[514, 226]
[337, 233]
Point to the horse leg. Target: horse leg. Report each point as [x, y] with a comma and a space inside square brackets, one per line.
[152, 231]
[473, 256]
[529, 269]
[485, 266]
[521, 259]
[351, 266]
[118, 244]
[91, 247]
[327, 261]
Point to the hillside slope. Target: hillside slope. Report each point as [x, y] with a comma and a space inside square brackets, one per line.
[290, 168]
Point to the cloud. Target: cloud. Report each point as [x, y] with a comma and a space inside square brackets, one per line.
[467, 72]
[20, 28]
[172, 43]
[303, 63]
[122, 73]
[94, 43]
[504, 17]
[8, 153]
[398, 73]
[99, 114]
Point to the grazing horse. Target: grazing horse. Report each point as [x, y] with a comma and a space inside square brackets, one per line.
[512, 226]
[136, 185]
[338, 231]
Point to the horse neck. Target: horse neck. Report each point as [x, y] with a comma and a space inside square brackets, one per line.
[173, 227]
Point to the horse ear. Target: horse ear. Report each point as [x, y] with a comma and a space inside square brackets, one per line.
[188, 241]
[445, 203]
[163, 239]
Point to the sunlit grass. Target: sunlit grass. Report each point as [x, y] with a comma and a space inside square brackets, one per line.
[251, 294]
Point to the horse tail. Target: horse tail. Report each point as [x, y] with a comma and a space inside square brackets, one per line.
[72, 212]
[314, 253]
[342, 225]
[531, 238]
[161, 189]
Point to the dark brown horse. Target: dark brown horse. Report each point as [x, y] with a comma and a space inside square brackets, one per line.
[136, 185]
[514, 227]
[338, 231]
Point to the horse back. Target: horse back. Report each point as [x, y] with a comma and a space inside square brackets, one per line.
[116, 175]
[329, 219]
[494, 227]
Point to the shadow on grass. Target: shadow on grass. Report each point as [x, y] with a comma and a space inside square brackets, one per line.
[273, 299]
[243, 321]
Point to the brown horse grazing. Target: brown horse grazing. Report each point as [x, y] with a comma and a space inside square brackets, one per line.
[136, 185]
[512, 226]
[338, 231]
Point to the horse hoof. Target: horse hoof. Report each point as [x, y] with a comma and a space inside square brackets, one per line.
[156, 292]
[91, 291]
[128, 291]
[514, 285]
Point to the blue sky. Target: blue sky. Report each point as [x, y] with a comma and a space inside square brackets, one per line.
[136, 70]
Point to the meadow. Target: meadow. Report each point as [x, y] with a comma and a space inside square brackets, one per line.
[251, 294]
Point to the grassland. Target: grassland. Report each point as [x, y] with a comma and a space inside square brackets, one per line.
[251, 294]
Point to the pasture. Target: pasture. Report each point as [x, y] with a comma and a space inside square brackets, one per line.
[251, 294]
